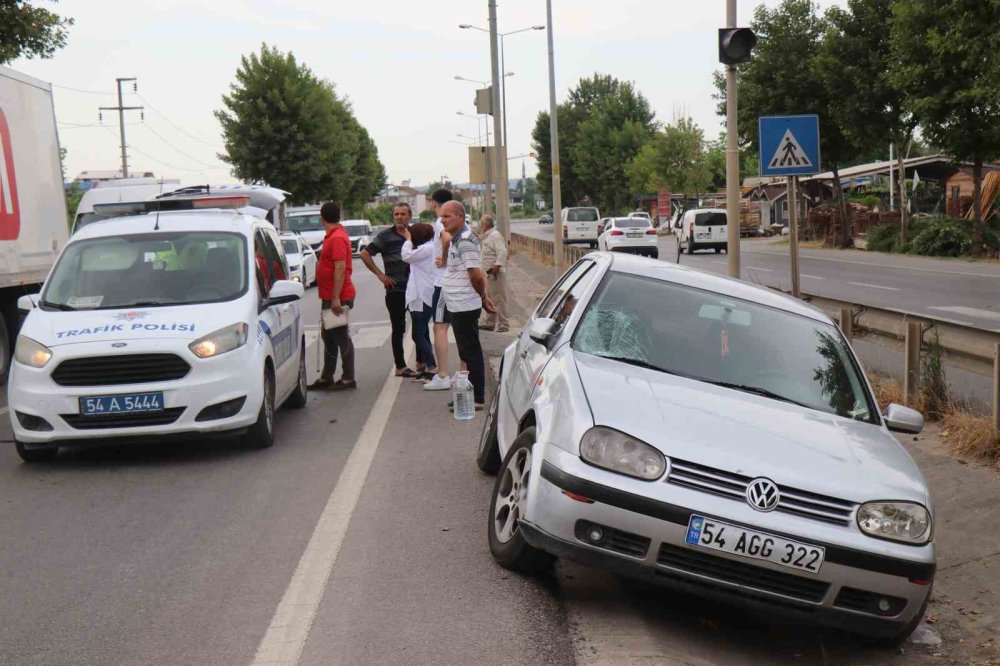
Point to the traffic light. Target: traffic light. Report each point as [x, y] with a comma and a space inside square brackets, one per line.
[735, 45]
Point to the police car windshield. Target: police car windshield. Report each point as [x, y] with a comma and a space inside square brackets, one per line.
[157, 269]
[355, 230]
[304, 222]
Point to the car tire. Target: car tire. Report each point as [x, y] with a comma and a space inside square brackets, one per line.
[718, 250]
[690, 247]
[35, 455]
[593, 245]
[261, 433]
[300, 396]
[507, 543]
[488, 454]
[655, 254]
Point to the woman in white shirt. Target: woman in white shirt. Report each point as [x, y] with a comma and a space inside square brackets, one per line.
[418, 252]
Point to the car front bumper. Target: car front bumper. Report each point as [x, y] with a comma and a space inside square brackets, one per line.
[209, 382]
[646, 538]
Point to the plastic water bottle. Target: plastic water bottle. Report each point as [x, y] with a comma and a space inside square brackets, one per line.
[465, 405]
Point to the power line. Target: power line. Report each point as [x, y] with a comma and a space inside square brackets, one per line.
[175, 125]
[80, 90]
[160, 162]
[193, 159]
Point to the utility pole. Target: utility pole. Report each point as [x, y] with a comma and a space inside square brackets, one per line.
[732, 161]
[121, 121]
[500, 161]
[557, 244]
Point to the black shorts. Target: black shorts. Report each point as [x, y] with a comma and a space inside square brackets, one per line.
[441, 314]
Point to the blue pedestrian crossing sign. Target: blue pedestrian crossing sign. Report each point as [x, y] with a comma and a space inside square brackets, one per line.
[789, 145]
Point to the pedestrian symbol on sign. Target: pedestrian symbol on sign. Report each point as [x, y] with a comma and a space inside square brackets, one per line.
[789, 153]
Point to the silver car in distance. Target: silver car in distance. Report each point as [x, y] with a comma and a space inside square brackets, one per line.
[686, 428]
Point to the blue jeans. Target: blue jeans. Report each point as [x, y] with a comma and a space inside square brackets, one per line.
[422, 337]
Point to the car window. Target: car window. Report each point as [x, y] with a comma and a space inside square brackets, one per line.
[155, 269]
[553, 297]
[714, 338]
[632, 223]
[569, 302]
[581, 215]
[710, 220]
[264, 280]
[276, 260]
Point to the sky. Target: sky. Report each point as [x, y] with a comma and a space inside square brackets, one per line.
[395, 60]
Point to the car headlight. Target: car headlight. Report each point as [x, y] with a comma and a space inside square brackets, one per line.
[221, 341]
[620, 453]
[899, 521]
[31, 352]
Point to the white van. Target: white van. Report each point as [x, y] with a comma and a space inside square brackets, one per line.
[703, 229]
[122, 190]
[580, 225]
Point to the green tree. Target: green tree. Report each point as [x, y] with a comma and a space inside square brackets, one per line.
[30, 32]
[947, 60]
[602, 126]
[676, 157]
[369, 173]
[853, 64]
[284, 126]
[73, 195]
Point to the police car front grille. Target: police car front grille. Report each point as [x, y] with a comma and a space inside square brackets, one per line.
[120, 369]
[123, 420]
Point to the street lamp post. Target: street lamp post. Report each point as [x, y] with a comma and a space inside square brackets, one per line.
[489, 170]
[557, 246]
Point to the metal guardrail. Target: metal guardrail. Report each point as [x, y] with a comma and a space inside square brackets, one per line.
[968, 347]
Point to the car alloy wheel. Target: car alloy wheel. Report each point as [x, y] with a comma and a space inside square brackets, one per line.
[511, 495]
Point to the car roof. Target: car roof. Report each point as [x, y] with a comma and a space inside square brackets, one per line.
[182, 220]
[301, 210]
[358, 221]
[720, 284]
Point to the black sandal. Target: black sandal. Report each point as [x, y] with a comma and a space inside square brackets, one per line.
[406, 373]
[320, 385]
[343, 385]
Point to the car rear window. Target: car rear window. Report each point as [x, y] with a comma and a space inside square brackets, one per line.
[582, 215]
[710, 220]
[632, 223]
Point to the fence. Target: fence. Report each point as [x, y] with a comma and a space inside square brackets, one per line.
[974, 349]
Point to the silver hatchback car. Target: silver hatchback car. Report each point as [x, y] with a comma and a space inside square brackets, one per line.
[705, 433]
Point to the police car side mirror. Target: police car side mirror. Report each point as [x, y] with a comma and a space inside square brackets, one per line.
[26, 304]
[283, 291]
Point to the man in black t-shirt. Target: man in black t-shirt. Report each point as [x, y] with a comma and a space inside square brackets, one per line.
[389, 244]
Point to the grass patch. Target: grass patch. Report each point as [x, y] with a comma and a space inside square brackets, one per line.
[971, 435]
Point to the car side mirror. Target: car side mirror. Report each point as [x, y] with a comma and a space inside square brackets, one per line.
[283, 291]
[26, 304]
[903, 419]
[542, 330]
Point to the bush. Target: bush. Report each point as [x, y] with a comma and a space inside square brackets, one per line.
[942, 238]
[883, 238]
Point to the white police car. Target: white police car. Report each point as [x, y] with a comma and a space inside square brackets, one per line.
[174, 323]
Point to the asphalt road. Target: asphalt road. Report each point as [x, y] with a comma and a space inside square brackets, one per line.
[960, 291]
[358, 538]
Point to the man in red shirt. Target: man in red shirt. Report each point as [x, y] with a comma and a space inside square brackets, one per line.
[336, 291]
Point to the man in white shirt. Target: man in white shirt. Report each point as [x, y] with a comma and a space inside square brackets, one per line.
[464, 293]
[442, 381]
[494, 249]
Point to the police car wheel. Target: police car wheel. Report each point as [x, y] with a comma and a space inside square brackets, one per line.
[261, 434]
[300, 395]
[35, 455]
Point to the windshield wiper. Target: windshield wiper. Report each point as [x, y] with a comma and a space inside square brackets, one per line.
[636, 362]
[757, 390]
[58, 306]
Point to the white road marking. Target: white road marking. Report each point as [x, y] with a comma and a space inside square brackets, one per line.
[968, 312]
[755, 268]
[872, 265]
[371, 337]
[811, 277]
[286, 635]
[872, 286]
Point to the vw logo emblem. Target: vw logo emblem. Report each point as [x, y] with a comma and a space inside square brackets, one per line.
[763, 495]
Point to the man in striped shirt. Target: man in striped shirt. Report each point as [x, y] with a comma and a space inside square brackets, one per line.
[465, 296]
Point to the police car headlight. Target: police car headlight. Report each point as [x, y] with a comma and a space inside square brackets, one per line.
[31, 353]
[221, 341]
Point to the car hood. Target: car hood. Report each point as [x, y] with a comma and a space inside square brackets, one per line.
[188, 322]
[751, 435]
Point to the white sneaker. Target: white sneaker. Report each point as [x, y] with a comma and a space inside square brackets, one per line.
[439, 383]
